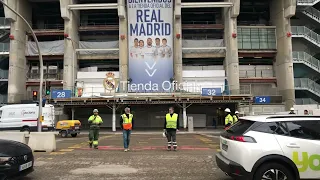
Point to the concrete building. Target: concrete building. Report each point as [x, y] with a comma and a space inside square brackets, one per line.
[246, 47]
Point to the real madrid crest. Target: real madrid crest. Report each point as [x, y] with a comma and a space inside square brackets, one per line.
[110, 82]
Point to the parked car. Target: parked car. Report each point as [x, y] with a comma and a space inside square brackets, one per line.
[274, 147]
[16, 159]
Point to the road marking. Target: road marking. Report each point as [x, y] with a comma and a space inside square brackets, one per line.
[218, 150]
[57, 153]
[50, 158]
[143, 142]
[66, 150]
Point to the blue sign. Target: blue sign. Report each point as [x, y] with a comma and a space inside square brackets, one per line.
[211, 92]
[56, 94]
[262, 99]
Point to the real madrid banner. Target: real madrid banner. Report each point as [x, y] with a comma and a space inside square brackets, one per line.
[150, 45]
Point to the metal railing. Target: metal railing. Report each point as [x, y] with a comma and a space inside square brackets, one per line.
[257, 38]
[302, 101]
[307, 84]
[48, 26]
[4, 22]
[313, 13]
[256, 73]
[4, 74]
[307, 59]
[3, 98]
[307, 2]
[192, 90]
[308, 34]
[106, 23]
[198, 22]
[48, 76]
[4, 47]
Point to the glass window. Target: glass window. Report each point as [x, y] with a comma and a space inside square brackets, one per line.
[304, 129]
[240, 127]
[267, 127]
[281, 129]
[0, 114]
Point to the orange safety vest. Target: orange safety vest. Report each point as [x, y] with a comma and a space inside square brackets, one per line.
[127, 122]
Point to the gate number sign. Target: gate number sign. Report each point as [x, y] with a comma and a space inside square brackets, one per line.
[56, 94]
[262, 99]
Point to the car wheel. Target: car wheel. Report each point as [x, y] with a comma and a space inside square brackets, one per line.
[273, 171]
[74, 135]
[25, 129]
[64, 134]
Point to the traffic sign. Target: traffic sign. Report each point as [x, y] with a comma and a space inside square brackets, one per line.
[211, 91]
[262, 99]
[56, 94]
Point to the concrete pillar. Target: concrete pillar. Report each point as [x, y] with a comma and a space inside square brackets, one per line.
[72, 113]
[185, 120]
[177, 43]
[70, 62]
[114, 117]
[17, 59]
[123, 46]
[231, 43]
[280, 14]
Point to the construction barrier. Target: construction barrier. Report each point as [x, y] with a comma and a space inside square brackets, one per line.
[42, 141]
[14, 136]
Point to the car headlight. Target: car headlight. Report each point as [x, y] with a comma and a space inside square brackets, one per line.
[4, 159]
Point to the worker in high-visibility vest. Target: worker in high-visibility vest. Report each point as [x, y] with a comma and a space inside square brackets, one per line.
[126, 124]
[235, 117]
[228, 120]
[171, 126]
[95, 122]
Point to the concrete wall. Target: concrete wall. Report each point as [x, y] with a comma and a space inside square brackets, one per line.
[231, 60]
[280, 13]
[261, 109]
[17, 60]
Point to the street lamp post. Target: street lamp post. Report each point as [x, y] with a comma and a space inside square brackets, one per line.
[40, 59]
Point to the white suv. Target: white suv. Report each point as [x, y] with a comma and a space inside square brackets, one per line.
[276, 147]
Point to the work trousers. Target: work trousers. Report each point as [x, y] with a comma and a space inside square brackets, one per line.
[172, 138]
[93, 136]
[126, 138]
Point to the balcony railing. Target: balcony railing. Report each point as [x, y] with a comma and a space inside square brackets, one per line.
[4, 47]
[256, 73]
[307, 84]
[308, 34]
[302, 101]
[3, 74]
[3, 98]
[48, 26]
[4, 22]
[303, 57]
[47, 76]
[257, 38]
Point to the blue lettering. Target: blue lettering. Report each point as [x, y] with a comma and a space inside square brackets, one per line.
[139, 16]
[146, 15]
[167, 29]
[134, 30]
[149, 29]
[157, 28]
[142, 30]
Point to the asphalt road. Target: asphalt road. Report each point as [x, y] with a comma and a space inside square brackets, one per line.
[146, 160]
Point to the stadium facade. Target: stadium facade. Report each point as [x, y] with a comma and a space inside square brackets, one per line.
[249, 55]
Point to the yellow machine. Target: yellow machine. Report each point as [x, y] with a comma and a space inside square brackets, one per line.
[66, 127]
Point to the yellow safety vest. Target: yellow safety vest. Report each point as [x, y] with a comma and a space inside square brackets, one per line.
[95, 119]
[127, 122]
[171, 121]
[235, 119]
[228, 119]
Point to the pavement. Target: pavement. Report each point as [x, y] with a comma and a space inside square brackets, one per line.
[146, 160]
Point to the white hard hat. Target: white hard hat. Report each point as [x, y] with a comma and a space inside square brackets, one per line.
[227, 110]
[95, 110]
[237, 112]
[292, 109]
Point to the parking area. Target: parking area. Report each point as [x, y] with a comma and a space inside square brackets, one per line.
[147, 159]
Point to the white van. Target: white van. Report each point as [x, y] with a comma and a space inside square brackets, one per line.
[24, 117]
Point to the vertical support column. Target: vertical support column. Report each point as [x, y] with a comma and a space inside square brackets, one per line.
[72, 113]
[70, 62]
[114, 117]
[185, 120]
[281, 12]
[17, 59]
[177, 43]
[123, 46]
[231, 61]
